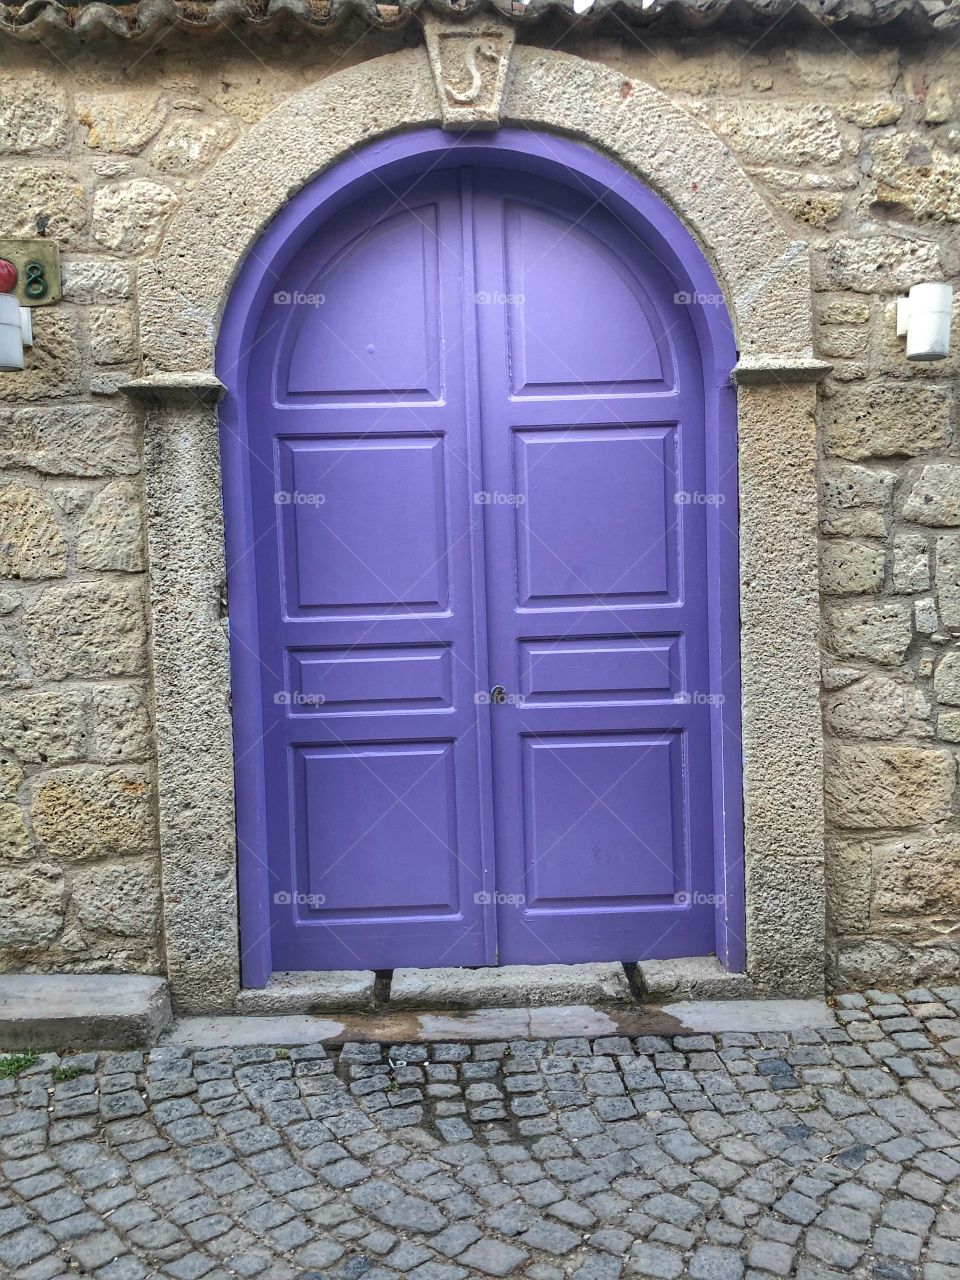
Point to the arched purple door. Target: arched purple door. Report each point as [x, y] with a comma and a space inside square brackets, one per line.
[485, 545]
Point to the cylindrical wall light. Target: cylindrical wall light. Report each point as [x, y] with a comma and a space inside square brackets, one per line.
[924, 319]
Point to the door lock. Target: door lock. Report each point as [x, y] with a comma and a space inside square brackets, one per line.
[498, 693]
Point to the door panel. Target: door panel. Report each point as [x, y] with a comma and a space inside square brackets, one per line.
[364, 534]
[596, 585]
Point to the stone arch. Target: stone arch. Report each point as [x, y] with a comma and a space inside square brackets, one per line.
[765, 276]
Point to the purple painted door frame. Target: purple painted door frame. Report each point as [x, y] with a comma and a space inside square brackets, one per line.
[619, 208]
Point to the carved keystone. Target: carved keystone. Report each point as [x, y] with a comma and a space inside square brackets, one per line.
[470, 60]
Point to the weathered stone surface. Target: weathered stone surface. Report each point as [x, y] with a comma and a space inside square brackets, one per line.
[883, 420]
[870, 786]
[52, 366]
[123, 122]
[33, 114]
[121, 723]
[11, 776]
[920, 875]
[14, 672]
[948, 726]
[110, 534]
[85, 812]
[112, 335]
[878, 263]
[849, 865]
[15, 842]
[849, 567]
[44, 728]
[792, 134]
[189, 142]
[118, 899]
[877, 707]
[934, 497]
[879, 631]
[947, 578]
[94, 279]
[831, 68]
[911, 563]
[845, 310]
[914, 175]
[946, 679]
[31, 542]
[31, 906]
[814, 209]
[872, 115]
[510, 985]
[78, 440]
[45, 196]
[855, 500]
[87, 1011]
[129, 217]
[86, 630]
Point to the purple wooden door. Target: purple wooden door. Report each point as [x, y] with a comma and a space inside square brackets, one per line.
[476, 458]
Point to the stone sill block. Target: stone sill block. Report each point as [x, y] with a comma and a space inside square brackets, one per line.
[82, 1011]
[512, 984]
[693, 978]
[286, 993]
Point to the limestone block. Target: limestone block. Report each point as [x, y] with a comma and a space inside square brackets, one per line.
[849, 868]
[121, 723]
[781, 133]
[872, 786]
[872, 114]
[910, 173]
[189, 142]
[86, 630]
[52, 366]
[15, 842]
[834, 69]
[946, 678]
[31, 542]
[885, 420]
[33, 114]
[42, 192]
[837, 343]
[877, 263]
[14, 672]
[32, 903]
[11, 776]
[934, 497]
[813, 208]
[854, 500]
[948, 726]
[75, 440]
[118, 899]
[85, 812]
[129, 217]
[926, 617]
[947, 578]
[44, 728]
[123, 122]
[911, 563]
[845, 310]
[113, 338]
[878, 631]
[110, 534]
[94, 279]
[876, 707]
[850, 567]
[919, 875]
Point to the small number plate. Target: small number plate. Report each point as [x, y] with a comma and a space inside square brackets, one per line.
[38, 269]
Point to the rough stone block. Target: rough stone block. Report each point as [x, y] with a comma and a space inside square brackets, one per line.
[885, 420]
[77, 1011]
[888, 786]
[509, 986]
[313, 992]
[879, 631]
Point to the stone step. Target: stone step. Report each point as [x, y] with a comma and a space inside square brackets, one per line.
[310, 993]
[82, 1011]
[510, 984]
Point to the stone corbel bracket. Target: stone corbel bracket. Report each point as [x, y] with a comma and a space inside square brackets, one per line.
[470, 60]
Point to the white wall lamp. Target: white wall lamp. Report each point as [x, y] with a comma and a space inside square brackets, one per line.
[923, 318]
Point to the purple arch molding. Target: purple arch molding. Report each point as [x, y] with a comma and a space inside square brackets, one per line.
[387, 163]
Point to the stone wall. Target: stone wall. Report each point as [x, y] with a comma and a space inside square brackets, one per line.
[854, 143]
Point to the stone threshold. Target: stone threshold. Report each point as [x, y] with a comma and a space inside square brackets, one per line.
[697, 978]
[693, 1017]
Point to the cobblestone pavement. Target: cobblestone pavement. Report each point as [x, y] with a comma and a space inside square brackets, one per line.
[816, 1154]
